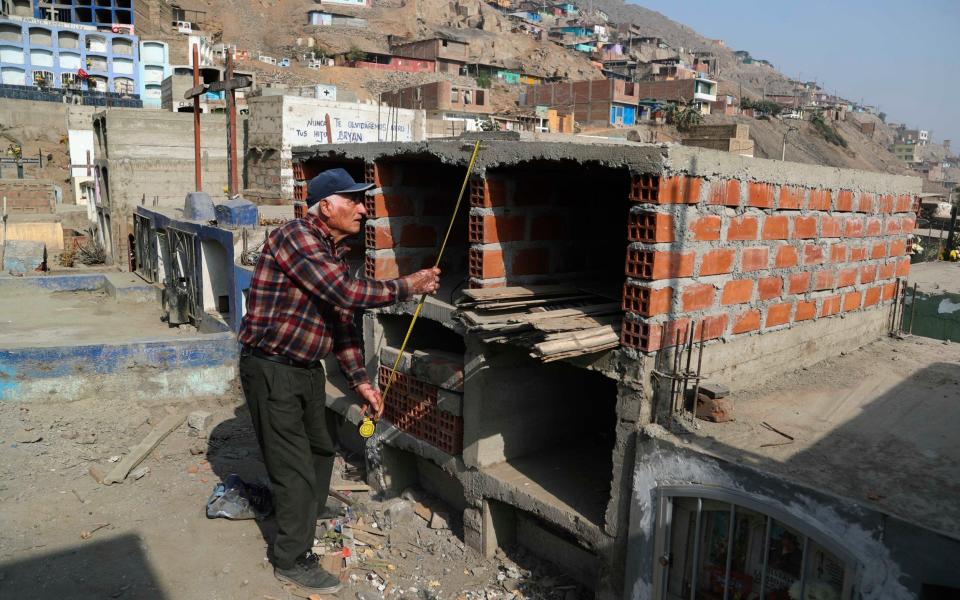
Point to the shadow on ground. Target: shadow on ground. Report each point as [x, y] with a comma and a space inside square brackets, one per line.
[94, 570]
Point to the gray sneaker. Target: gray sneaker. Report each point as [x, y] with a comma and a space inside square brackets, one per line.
[307, 573]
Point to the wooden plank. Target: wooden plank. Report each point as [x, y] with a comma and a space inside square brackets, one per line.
[350, 486]
[519, 292]
[145, 447]
[240, 81]
[195, 91]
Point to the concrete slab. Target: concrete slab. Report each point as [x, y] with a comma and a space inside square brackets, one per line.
[877, 425]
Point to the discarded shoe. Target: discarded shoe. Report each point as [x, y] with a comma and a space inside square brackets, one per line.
[307, 573]
[236, 500]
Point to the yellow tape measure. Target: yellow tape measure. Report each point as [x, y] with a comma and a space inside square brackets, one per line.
[367, 427]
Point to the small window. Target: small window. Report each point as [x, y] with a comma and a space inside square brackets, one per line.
[721, 550]
[480, 98]
[454, 95]
[443, 43]
[468, 96]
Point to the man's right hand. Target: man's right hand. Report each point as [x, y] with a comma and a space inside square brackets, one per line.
[426, 281]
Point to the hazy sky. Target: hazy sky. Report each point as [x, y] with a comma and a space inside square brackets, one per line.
[903, 56]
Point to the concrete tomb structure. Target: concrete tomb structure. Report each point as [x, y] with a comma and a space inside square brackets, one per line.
[776, 266]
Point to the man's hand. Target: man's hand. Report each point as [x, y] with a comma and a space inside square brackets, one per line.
[426, 281]
[372, 398]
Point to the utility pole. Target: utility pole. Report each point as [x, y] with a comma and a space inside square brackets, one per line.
[783, 151]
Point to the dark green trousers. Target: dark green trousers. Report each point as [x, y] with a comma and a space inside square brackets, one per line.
[288, 408]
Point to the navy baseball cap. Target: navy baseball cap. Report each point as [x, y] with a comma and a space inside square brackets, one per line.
[333, 181]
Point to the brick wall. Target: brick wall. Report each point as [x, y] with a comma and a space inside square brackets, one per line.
[529, 227]
[28, 196]
[408, 219]
[734, 257]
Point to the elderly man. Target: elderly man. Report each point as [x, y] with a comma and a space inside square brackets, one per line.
[300, 308]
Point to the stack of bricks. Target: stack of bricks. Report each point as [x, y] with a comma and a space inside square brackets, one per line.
[529, 228]
[411, 405]
[408, 217]
[734, 257]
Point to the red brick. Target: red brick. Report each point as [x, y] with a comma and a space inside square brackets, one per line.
[679, 189]
[746, 321]
[754, 259]
[844, 201]
[886, 203]
[830, 306]
[769, 287]
[486, 263]
[798, 283]
[650, 227]
[488, 192]
[886, 271]
[898, 247]
[697, 296]
[778, 314]
[389, 205]
[805, 311]
[775, 227]
[492, 229]
[873, 228]
[760, 195]
[819, 200]
[725, 192]
[865, 204]
[531, 261]
[831, 227]
[853, 228]
[649, 337]
[894, 225]
[717, 261]
[644, 187]
[858, 254]
[548, 227]
[908, 223]
[889, 291]
[823, 279]
[414, 235]
[742, 228]
[813, 254]
[838, 253]
[804, 227]
[737, 291]
[851, 301]
[659, 264]
[378, 237]
[790, 197]
[706, 228]
[786, 257]
[713, 327]
[878, 250]
[532, 190]
[871, 296]
[383, 267]
[847, 277]
[646, 301]
[904, 203]
[384, 174]
[903, 267]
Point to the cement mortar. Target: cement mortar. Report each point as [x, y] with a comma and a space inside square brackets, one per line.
[657, 159]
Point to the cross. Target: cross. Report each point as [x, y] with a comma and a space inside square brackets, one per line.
[195, 92]
[230, 85]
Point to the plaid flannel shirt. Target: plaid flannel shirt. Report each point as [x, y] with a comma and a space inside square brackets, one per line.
[302, 299]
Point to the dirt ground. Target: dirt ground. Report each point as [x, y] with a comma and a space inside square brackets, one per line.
[63, 535]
